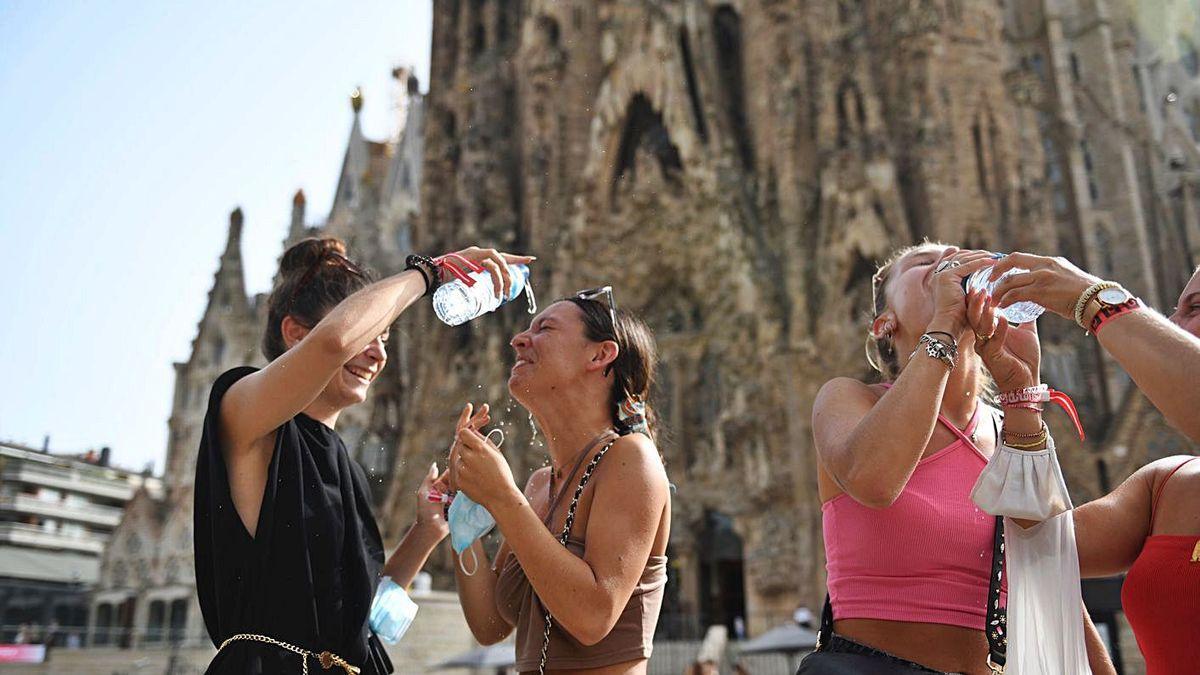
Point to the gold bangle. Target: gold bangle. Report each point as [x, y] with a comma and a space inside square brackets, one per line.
[1042, 436]
[1028, 446]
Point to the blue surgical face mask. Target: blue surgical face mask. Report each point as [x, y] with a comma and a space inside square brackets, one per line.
[392, 611]
[468, 521]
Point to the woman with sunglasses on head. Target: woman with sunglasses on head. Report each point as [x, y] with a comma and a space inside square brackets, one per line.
[581, 571]
[913, 564]
[288, 555]
[1148, 526]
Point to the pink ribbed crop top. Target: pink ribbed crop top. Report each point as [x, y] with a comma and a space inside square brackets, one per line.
[924, 559]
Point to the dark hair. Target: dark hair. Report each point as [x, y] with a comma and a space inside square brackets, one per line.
[637, 353]
[314, 276]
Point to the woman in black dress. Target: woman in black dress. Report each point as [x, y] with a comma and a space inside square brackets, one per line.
[288, 555]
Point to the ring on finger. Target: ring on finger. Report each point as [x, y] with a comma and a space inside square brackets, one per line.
[982, 339]
[945, 265]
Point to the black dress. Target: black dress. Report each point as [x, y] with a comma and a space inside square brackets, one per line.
[308, 575]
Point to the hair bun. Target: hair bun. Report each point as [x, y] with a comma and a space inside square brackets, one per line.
[304, 254]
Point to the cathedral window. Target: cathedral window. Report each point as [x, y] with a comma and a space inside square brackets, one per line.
[644, 131]
[103, 625]
[548, 31]
[1089, 166]
[689, 72]
[727, 28]
[154, 624]
[478, 30]
[502, 21]
[858, 287]
[981, 173]
[179, 610]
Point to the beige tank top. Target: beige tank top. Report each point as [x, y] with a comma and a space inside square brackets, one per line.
[630, 639]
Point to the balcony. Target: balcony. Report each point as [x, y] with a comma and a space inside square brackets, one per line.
[93, 514]
[32, 535]
[69, 479]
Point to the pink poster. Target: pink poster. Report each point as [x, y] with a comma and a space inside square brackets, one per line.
[22, 653]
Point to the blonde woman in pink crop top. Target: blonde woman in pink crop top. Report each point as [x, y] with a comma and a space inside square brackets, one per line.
[909, 554]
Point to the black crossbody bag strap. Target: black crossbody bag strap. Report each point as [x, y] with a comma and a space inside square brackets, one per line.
[997, 616]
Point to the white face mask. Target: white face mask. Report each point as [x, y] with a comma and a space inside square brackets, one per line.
[468, 521]
[392, 611]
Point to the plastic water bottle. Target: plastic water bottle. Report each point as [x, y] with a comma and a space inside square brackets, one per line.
[1017, 313]
[456, 303]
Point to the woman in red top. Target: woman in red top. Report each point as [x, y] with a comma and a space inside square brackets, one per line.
[1148, 527]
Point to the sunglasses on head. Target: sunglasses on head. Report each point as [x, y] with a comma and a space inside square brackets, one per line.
[596, 294]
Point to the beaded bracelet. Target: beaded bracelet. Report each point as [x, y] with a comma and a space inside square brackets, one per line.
[1086, 296]
[428, 269]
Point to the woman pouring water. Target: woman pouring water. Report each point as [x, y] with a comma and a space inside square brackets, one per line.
[581, 572]
[288, 555]
[1147, 527]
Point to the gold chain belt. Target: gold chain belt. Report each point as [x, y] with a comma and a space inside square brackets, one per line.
[326, 659]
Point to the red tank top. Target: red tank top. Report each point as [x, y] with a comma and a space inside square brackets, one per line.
[1161, 598]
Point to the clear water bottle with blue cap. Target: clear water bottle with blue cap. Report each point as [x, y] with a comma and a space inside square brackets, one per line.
[1016, 313]
[456, 303]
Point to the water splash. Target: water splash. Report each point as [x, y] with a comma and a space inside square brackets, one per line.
[530, 297]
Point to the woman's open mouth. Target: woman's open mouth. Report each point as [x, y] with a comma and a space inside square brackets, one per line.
[361, 374]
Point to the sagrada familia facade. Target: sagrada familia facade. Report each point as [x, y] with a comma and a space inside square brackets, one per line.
[734, 169]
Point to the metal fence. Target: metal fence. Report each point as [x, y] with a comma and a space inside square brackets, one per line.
[671, 656]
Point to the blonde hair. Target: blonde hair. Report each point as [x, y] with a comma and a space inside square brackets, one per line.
[884, 359]
[881, 351]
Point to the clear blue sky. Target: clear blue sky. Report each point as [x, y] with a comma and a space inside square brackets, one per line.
[128, 132]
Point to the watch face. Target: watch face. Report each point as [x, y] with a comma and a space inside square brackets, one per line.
[1114, 296]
